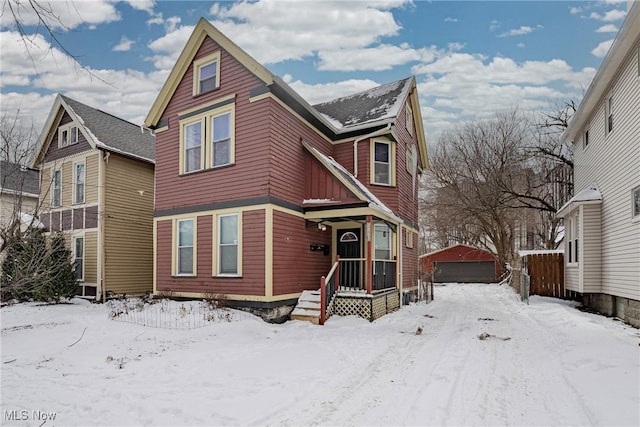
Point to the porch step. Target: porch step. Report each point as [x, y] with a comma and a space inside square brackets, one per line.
[308, 307]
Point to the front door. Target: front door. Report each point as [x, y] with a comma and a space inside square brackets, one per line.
[349, 250]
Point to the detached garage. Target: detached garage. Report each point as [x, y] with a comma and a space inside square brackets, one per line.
[461, 263]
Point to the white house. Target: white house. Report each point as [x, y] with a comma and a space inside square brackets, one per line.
[602, 220]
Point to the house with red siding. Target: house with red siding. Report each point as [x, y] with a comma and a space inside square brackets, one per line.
[261, 196]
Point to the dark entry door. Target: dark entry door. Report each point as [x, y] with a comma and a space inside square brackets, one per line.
[349, 248]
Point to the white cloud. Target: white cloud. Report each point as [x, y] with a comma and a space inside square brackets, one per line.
[274, 31]
[471, 86]
[124, 45]
[68, 15]
[494, 25]
[517, 31]
[575, 10]
[601, 50]
[378, 58]
[449, 19]
[125, 93]
[169, 46]
[610, 16]
[608, 28]
[156, 19]
[521, 45]
[146, 5]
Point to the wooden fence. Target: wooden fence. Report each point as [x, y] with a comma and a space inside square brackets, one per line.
[547, 275]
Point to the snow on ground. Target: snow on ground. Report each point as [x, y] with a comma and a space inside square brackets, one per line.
[560, 366]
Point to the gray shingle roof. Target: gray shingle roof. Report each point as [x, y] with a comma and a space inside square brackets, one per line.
[15, 177]
[380, 103]
[113, 133]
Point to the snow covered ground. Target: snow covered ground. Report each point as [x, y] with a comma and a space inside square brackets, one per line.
[560, 366]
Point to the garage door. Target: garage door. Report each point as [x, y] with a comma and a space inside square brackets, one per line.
[465, 272]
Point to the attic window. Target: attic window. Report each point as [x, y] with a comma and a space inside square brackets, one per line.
[206, 74]
[67, 135]
[409, 119]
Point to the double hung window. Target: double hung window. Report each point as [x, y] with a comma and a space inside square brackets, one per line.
[382, 163]
[228, 244]
[79, 183]
[207, 140]
[78, 255]
[56, 198]
[185, 247]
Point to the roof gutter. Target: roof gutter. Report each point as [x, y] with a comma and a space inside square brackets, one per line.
[369, 135]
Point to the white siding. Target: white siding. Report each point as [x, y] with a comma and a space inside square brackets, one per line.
[613, 162]
[590, 248]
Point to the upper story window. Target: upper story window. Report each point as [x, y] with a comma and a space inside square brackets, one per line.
[207, 140]
[206, 74]
[78, 183]
[636, 202]
[185, 248]
[382, 163]
[56, 195]
[67, 135]
[221, 139]
[409, 118]
[609, 108]
[193, 147]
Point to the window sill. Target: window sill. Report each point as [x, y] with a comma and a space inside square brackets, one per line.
[207, 169]
[184, 276]
[573, 265]
[378, 184]
[197, 95]
[227, 276]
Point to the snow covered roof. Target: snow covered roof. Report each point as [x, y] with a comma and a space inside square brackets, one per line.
[113, 133]
[358, 188]
[589, 194]
[377, 104]
[14, 177]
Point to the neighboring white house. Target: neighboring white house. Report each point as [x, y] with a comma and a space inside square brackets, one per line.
[602, 220]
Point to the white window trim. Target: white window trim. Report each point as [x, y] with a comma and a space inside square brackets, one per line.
[573, 234]
[183, 145]
[176, 251]
[586, 138]
[389, 242]
[609, 113]
[75, 254]
[75, 183]
[392, 162]
[408, 238]
[216, 262]
[635, 216]
[53, 186]
[206, 138]
[67, 127]
[197, 66]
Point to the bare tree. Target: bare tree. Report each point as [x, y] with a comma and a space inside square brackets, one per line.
[469, 168]
[47, 20]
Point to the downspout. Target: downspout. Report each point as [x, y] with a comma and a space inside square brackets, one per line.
[355, 146]
[400, 249]
[102, 173]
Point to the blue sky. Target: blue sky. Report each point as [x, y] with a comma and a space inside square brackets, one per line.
[470, 59]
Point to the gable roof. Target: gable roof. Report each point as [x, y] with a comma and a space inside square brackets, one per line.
[17, 178]
[453, 247]
[351, 182]
[589, 195]
[379, 104]
[375, 107]
[622, 45]
[102, 130]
